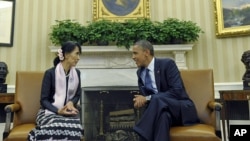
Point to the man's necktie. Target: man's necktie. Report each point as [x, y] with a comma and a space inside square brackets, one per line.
[148, 83]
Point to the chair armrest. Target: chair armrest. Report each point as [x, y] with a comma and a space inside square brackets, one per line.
[214, 106]
[12, 107]
[9, 109]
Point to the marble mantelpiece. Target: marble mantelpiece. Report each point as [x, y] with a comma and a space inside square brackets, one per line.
[113, 66]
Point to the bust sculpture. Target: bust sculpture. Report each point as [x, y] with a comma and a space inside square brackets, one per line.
[246, 77]
[3, 73]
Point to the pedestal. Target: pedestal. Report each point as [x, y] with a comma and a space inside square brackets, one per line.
[246, 84]
[3, 88]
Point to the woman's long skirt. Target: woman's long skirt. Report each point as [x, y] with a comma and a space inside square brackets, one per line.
[56, 127]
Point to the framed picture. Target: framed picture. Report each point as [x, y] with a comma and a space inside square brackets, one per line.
[7, 16]
[232, 17]
[120, 10]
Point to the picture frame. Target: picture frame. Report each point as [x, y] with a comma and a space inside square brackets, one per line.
[231, 18]
[7, 17]
[120, 10]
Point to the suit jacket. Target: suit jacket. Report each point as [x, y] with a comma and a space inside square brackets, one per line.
[170, 84]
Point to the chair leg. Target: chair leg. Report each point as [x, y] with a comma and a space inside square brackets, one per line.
[5, 135]
[7, 125]
[217, 120]
[218, 133]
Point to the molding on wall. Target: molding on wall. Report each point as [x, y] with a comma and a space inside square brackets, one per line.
[226, 86]
[10, 88]
[217, 87]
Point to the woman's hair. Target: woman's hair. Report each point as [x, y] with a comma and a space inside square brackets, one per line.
[67, 47]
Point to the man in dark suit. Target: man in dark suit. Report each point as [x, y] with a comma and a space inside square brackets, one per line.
[166, 103]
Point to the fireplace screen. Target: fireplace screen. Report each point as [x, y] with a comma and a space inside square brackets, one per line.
[109, 115]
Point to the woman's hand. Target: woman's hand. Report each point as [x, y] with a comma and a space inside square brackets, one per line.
[139, 101]
[68, 110]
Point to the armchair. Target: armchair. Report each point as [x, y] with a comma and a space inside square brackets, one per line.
[25, 107]
[199, 85]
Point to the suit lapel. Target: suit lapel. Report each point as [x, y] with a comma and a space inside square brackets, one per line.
[139, 76]
[157, 73]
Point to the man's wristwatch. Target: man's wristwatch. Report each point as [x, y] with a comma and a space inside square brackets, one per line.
[148, 97]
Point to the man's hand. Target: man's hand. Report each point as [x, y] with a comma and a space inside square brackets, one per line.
[139, 101]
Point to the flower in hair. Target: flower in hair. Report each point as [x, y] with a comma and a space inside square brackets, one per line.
[60, 54]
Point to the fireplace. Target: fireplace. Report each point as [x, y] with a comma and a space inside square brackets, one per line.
[108, 113]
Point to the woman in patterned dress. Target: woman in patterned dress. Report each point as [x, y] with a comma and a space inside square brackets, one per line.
[58, 118]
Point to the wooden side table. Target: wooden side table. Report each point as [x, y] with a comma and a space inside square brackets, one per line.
[231, 95]
[7, 98]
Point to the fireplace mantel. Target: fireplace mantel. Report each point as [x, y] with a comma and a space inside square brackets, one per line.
[114, 66]
[167, 48]
[120, 57]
